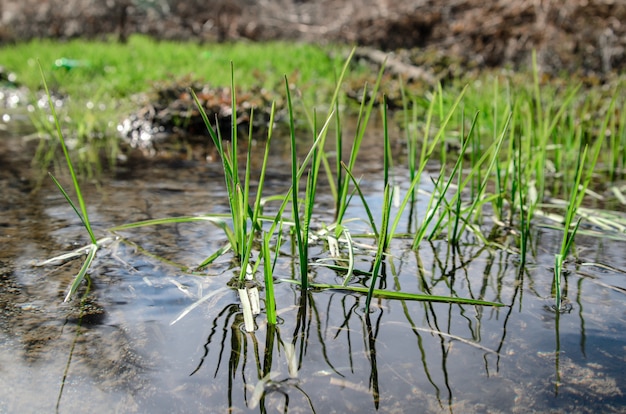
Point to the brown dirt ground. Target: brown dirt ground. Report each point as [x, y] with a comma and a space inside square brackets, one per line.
[587, 36]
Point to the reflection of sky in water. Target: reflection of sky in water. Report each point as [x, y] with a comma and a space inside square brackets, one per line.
[433, 357]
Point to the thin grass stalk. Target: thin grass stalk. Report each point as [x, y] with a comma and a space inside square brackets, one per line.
[314, 157]
[387, 161]
[540, 120]
[268, 273]
[621, 133]
[411, 136]
[259, 195]
[456, 211]
[495, 150]
[309, 200]
[256, 210]
[337, 183]
[437, 198]
[382, 243]
[240, 225]
[233, 126]
[278, 220]
[383, 236]
[615, 142]
[602, 133]
[427, 152]
[227, 166]
[362, 121]
[454, 234]
[577, 194]
[546, 125]
[334, 176]
[232, 183]
[302, 244]
[84, 217]
[476, 172]
[503, 178]
[500, 185]
[443, 152]
[518, 184]
[430, 215]
[366, 206]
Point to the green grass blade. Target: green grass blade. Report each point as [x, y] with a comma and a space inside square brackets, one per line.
[362, 121]
[216, 219]
[68, 199]
[270, 302]
[302, 243]
[386, 294]
[382, 242]
[84, 217]
[366, 206]
[438, 201]
[82, 274]
[219, 253]
[495, 151]
[558, 271]
[427, 152]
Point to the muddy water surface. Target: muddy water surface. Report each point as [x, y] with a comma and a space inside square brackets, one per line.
[127, 349]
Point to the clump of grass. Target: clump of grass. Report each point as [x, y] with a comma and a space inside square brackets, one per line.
[583, 174]
[570, 228]
[501, 161]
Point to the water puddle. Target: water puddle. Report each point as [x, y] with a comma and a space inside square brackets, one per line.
[136, 346]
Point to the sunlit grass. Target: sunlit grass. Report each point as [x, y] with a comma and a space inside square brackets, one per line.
[99, 89]
[116, 70]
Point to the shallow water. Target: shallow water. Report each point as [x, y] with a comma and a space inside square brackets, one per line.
[130, 352]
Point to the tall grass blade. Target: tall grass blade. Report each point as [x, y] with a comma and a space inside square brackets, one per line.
[382, 243]
[68, 199]
[268, 273]
[383, 236]
[366, 206]
[84, 217]
[362, 121]
[301, 239]
[387, 294]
